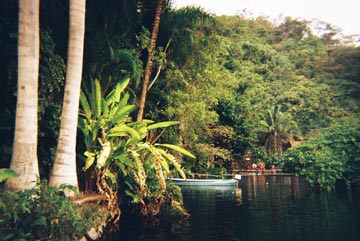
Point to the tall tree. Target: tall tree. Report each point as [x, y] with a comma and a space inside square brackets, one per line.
[147, 72]
[24, 158]
[64, 169]
[278, 129]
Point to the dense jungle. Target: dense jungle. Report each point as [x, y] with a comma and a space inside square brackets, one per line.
[221, 93]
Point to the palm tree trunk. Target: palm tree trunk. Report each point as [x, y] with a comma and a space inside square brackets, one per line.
[24, 157]
[64, 169]
[147, 72]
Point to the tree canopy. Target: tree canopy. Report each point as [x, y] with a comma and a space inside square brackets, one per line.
[217, 76]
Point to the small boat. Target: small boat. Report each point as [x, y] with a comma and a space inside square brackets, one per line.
[202, 182]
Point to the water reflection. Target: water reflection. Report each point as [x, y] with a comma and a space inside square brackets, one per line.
[212, 211]
[260, 208]
[238, 195]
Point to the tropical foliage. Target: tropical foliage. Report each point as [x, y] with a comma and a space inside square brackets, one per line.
[332, 156]
[42, 213]
[236, 87]
[277, 130]
[120, 155]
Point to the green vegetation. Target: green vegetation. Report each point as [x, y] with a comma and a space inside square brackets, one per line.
[332, 156]
[122, 156]
[222, 89]
[277, 129]
[43, 213]
[6, 173]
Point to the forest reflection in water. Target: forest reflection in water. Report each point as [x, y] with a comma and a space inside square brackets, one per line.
[259, 208]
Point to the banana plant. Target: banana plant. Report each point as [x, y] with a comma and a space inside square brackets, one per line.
[117, 147]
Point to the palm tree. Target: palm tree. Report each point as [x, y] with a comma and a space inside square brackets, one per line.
[24, 158]
[64, 169]
[147, 71]
[278, 129]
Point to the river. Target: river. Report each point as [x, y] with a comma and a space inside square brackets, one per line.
[259, 208]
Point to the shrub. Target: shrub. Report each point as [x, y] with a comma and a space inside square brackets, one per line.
[333, 156]
[42, 213]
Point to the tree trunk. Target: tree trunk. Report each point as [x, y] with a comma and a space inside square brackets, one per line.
[64, 169]
[147, 72]
[24, 157]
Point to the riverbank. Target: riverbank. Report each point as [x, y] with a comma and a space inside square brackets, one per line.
[100, 214]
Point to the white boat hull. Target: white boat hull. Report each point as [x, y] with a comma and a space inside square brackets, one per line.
[202, 182]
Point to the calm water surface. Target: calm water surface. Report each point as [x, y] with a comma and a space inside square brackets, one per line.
[259, 208]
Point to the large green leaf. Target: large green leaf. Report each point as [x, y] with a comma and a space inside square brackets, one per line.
[120, 105]
[115, 94]
[85, 104]
[162, 159]
[122, 168]
[7, 173]
[156, 155]
[111, 176]
[94, 128]
[124, 101]
[174, 162]
[124, 83]
[90, 158]
[140, 124]
[123, 113]
[140, 146]
[119, 145]
[178, 149]
[118, 133]
[124, 159]
[95, 101]
[105, 109]
[143, 131]
[121, 129]
[82, 125]
[113, 97]
[162, 124]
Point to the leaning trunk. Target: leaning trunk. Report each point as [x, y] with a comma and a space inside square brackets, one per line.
[147, 72]
[64, 169]
[24, 158]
